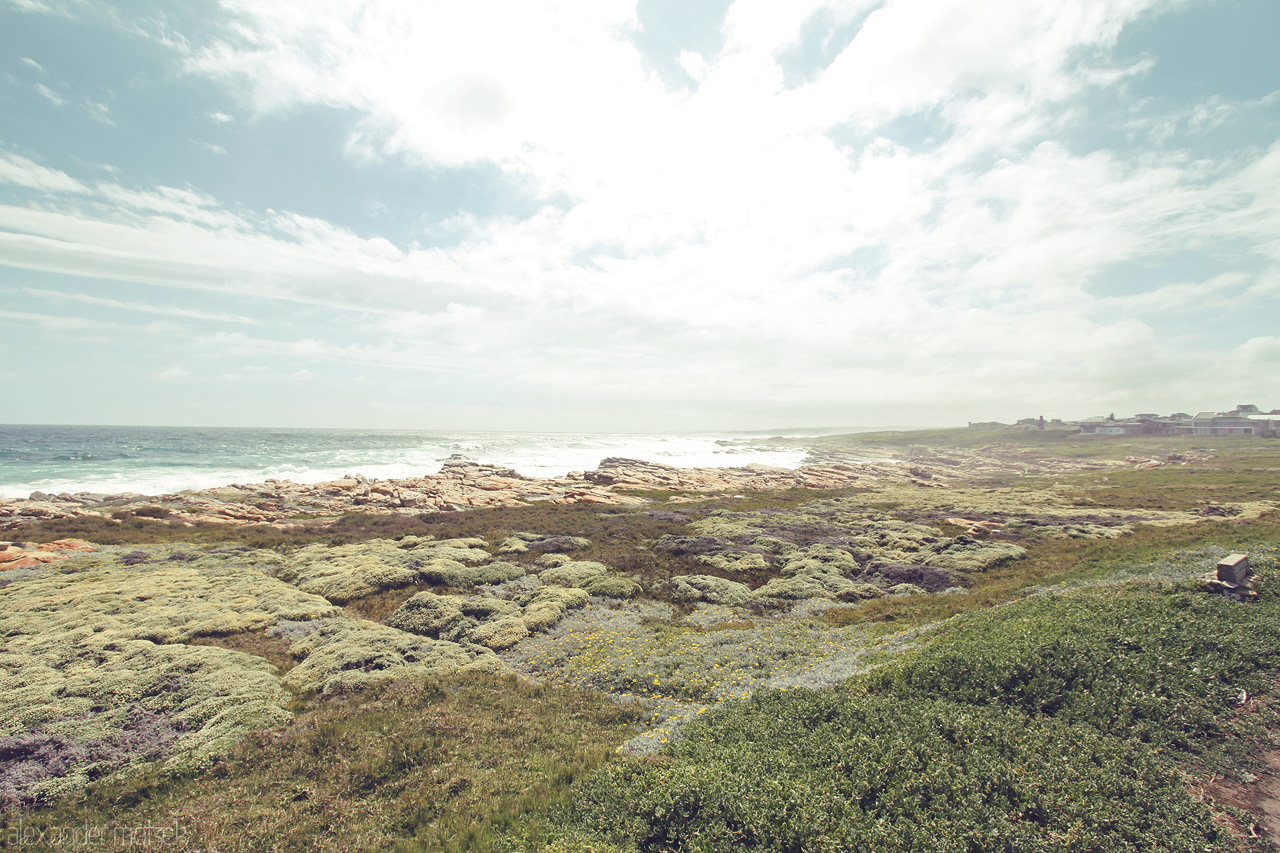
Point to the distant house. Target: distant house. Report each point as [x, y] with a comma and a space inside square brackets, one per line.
[987, 425]
[1238, 422]
[1157, 425]
[1109, 426]
[1242, 420]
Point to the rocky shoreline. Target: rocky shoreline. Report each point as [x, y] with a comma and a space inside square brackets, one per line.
[464, 484]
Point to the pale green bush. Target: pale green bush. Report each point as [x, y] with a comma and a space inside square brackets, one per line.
[501, 633]
[573, 573]
[431, 615]
[550, 604]
[741, 562]
[354, 654]
[89, 656]
[452, 573]
[709, 588]
[349, 572]
[612, 586]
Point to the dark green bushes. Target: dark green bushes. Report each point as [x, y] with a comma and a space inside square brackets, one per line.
[806, 771]
[1163, 666]
[1050, 724]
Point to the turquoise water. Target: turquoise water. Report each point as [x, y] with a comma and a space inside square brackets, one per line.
[161, 460]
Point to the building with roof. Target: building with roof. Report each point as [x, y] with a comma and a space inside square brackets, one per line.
[1243, 420]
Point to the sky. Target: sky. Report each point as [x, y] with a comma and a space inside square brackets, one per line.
[636, 215]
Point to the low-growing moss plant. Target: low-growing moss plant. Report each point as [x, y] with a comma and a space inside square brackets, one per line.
[443, 765]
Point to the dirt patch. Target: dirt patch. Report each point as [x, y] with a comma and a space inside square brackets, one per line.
[1260, 798]
[260, 643]
[1255, 791]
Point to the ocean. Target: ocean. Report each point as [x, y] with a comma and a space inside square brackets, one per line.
[163, 460]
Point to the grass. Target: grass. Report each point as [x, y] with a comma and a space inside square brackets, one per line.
[436, 766]
[1059, 561]
[829, 771]
[1233, 478]
[1031, 722]
[1054, 724]
[1057, 442]
[1161, 663]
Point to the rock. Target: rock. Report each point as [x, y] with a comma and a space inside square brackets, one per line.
[20, 562]
[14, 556]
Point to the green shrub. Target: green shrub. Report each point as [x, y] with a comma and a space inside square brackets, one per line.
[804, 770]
[1156, 663]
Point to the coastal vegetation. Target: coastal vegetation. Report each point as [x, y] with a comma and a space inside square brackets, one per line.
[1016, 663]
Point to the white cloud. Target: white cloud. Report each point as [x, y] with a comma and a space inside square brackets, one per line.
[18, 170]
[33, 6]
[1263, 351]
[101, 112]
[51, 322]
[165, 310]
[53, 97]
[738, 242]
[32, 63]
